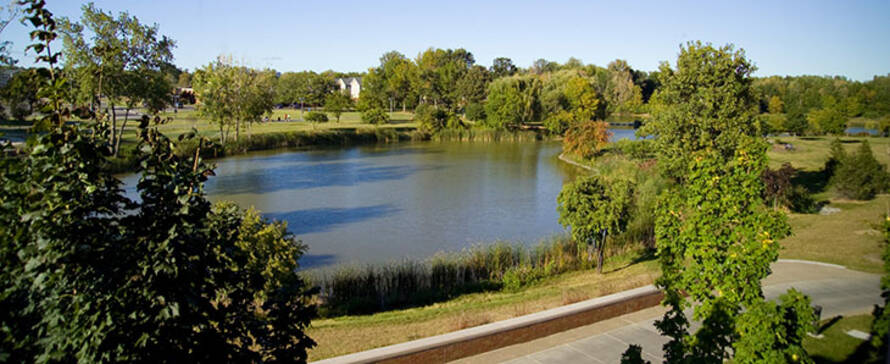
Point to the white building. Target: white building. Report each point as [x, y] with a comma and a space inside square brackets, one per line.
[352, 85]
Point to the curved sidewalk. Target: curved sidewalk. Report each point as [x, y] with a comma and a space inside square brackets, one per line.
[838, 290]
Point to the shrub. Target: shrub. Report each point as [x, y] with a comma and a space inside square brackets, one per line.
[860, 176]
[636, 149]
[586, 139]
[475, 111]
[430, 118]
[375, 116]
[777, 185]
[316, 117]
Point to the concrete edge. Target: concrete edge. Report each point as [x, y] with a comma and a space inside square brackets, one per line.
[837, 266]
[562, 157]
[442, 342]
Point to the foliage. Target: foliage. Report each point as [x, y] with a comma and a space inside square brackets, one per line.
[375, 116]
[336, 103]
[777, 185]
[586, 139]
[826, 121]
[20, 94]
[511, 101]
[881, 326]
[714, 236]
[119, 59]
[316, 117]
[233, 97]
[475, 111]
[860, 176]
[304, 88]
[836, 155]
[594, 208]
[91, 276]
[502, 67]
[636, 149]
[431, 118]
[774, 333]
[622, 93]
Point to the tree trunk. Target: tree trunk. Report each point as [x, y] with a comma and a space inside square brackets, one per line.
[237, 130]
[114, 136]
[117, 143]
[599, 260]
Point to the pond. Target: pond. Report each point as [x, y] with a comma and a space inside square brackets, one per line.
[378, 203]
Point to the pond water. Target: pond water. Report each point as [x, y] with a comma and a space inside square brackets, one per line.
[379, 203]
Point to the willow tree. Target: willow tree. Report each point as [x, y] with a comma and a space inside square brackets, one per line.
[715, 237]
[594, 208]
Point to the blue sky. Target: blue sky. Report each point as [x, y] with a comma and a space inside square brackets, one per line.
[849, 38]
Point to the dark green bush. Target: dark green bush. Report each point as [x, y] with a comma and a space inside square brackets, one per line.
[375, 116]
[860, 176]
[475, 111]
[316, 117]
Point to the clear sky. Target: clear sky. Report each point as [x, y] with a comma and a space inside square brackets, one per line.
[844, 37]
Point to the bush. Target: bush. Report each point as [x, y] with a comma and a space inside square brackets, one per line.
[636, 149]
[475, 111]
[860, 176]
[430, 118]
[375, 116]
[586, 139]
[316, 117]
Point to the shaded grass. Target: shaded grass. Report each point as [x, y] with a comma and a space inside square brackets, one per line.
[810, 153]
[848, 238]
[836, 346]
[348, 334]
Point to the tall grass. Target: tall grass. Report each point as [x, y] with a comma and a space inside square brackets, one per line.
[364, 289]
[486, 135]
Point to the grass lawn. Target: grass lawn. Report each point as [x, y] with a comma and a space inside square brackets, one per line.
[348, 334]
[836, 346]
[185, 120]
[848, 238]
[810, 153]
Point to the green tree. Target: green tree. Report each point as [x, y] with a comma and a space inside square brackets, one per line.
[120, 59]
[502, 67]
[316, 117]
[91, 276]
[233, 97]
[826, 121]
[594, 208]
[512, 101]
[20, 93]
[715, 238]
[336, 103]
[776, 106]
[622, 93]
[859, 176]
[375, 116]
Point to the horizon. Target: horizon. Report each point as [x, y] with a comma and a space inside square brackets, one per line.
[825, 38]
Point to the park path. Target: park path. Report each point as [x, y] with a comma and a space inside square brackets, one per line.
[839, 291]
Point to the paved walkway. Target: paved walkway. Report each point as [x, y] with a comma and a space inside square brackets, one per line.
[839, 291]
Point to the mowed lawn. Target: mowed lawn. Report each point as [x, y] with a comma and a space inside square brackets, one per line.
[850, 237]
[185, 120]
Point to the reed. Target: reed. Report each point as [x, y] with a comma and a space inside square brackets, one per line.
[370, 288]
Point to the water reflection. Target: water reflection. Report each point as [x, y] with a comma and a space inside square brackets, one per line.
[379, 203]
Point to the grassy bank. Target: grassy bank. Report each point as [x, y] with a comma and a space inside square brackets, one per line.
[347, 290]
[348, 334]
